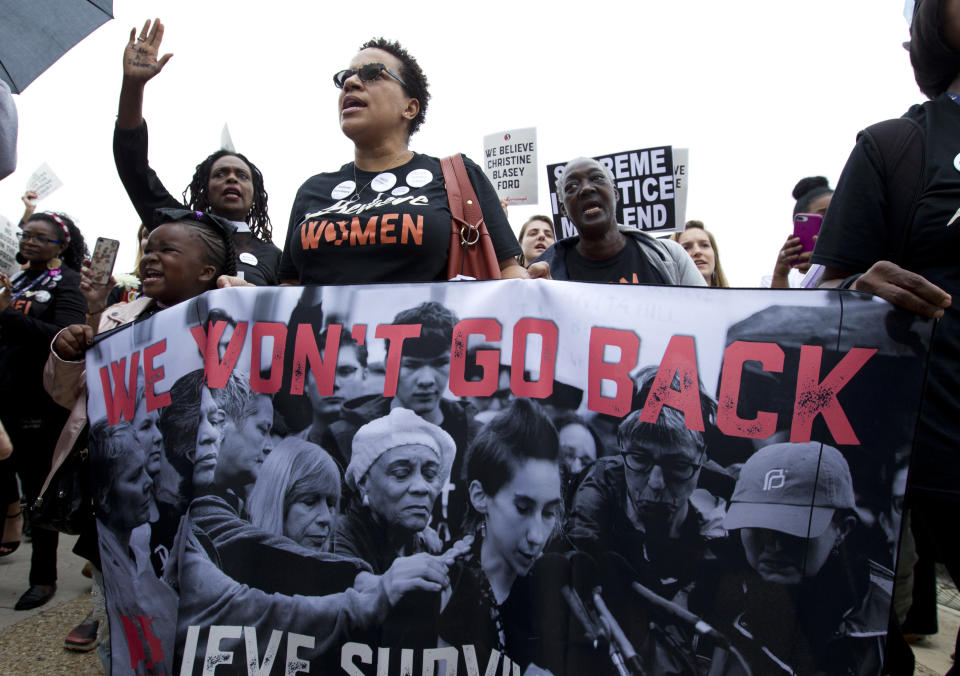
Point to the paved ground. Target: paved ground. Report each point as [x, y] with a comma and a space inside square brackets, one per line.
[31, 642]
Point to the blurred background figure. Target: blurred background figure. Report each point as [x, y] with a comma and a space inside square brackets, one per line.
[35, 304]
[812, 195]
[702, 247]
[536, 236]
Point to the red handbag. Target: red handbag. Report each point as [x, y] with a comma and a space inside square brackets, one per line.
[471, 249]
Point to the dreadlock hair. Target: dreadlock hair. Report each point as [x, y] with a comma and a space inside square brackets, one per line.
[195, 194]
[413, 76]
[77, 250]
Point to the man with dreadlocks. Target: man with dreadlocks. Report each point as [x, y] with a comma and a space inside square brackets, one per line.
[226, 184]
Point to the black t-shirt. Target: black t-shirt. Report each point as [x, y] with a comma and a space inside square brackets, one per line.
[353, 226]
[855, 235]
[627, 266]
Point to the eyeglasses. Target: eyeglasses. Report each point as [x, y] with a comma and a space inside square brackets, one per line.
[367, 73]
[674, 468]
[39, 239]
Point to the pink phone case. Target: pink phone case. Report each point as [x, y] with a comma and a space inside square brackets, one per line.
[805, 226]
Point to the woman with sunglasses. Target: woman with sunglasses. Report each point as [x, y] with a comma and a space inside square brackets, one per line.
[384, 217]
[226, 183]
[36, 303]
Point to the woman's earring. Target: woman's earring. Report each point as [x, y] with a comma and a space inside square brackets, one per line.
[54, 263]
[366, 500]
[483, 528]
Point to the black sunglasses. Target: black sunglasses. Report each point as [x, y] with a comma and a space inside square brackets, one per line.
[367, 73]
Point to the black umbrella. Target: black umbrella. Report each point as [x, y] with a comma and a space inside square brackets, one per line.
[35, 33]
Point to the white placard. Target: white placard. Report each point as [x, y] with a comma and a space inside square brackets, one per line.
[43, 181]
[510, 162]
[9, 246]
[226, 142]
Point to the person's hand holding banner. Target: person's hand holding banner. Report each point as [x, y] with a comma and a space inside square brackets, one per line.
[73, 341]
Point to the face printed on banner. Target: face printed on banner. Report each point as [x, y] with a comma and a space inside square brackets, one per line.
[230, 188]
[422, 381]
[500, 399]
[245, 445]
[696, 243]
[659, 483]
[402, 485]
[147, 436]
[209, 434]
[310, 519]
[523, 515]
[787, 559]
[578, 448]
[348, 383]
[130, 497]
[589, 196]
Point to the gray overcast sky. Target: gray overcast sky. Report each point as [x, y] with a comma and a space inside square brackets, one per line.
[762, 93]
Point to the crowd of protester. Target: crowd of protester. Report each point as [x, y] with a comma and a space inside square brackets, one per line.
[417, 520]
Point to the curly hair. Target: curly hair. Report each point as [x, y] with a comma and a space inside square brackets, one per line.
[195, 194]
[77, 250]
[416, 82]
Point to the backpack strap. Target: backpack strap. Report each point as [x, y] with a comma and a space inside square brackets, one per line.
[901, 144]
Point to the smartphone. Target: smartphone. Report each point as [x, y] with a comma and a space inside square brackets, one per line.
[104, 256]
[805, 226]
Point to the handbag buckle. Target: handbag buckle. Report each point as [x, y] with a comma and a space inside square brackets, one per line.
[469, 234]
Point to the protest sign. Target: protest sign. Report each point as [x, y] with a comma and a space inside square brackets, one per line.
[652, 183]
[510, 162]
[43, 181]
[223, 541]
[9, 246]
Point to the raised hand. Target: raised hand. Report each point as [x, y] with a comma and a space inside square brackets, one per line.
[140, 61]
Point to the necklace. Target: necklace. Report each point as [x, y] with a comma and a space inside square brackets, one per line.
[356, 181]
[39, 279]
[486, 591]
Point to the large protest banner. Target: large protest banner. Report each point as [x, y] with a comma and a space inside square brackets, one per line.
[652, 187]
[723, 495]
